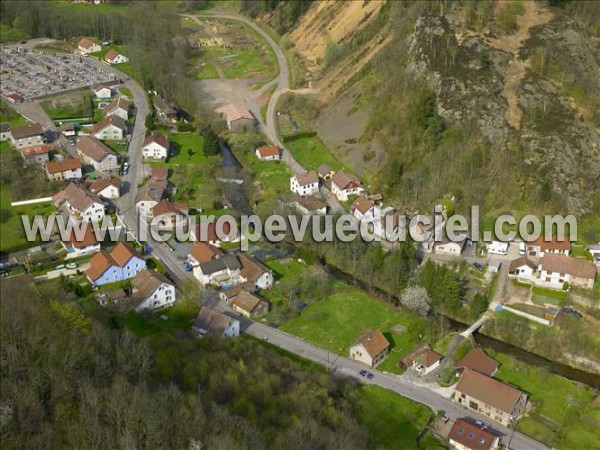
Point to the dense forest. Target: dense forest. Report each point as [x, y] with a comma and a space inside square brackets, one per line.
[70, 381]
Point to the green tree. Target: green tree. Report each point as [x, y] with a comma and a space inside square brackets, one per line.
[211, 141]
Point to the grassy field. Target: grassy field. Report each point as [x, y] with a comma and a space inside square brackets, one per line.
[272, 175]
[311, 152]
[340, 319]
[76, 104]
[394, 421]
[559, 403]
[126, 92]
[117, 146]
[9, 115]
[10, 34]
[182, 143]
[544, 295]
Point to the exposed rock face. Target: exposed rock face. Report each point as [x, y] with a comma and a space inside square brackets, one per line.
[513, 104]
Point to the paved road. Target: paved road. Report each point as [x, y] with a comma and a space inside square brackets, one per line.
[403, 386]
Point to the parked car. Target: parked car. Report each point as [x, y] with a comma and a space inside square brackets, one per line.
[370, 375]
[363, 373]
[72, 266]
[478, 266]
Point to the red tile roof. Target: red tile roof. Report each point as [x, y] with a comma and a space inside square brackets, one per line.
[103, 183]
[266, 152]
[123, 252]
[488, 390]
[477, 360]
[551, 244]
[64, 165]
[203, 252]
[158, 138]
[89, 238]
[344, 180]
[565, 264]
[471, 436]
[362, 204]
[35, 150]
[374, 343]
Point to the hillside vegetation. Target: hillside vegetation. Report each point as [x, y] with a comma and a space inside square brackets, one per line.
[495, 103]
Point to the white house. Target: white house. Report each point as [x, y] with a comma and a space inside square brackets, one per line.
[78, 247]
[542, 246]
[422, 359]
[109, 188]
[26, 136]
[4, 131]
[305, 184]
[370, 349]
[102, 91]
[151, 290]
[147, 198]
[213, 323]
[497, 248]
[222, 271]
[101, 157]
[167, 214]
[114, 57]
[156, 146]
[522, 269]
[81, 204]
[447, 247]
[86, 46]
[556, 269]
[110, 128]
[252, 271]
[344, 185]
[67, 169]
[118, 107]
[268, 153]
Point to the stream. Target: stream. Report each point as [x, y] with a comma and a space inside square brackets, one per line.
[231, 183]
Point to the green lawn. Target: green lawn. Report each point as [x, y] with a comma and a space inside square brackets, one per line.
[394, 421]
[126, 92]
[182, 143]
[544, 295]
[117, 146]
[273, 175]
[10, 34]
[340, 319]
[559, 403]
[9, 115]
[13, 236]
[311, 152]
[72, 105]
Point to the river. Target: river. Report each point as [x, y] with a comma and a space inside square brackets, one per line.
[231, 182]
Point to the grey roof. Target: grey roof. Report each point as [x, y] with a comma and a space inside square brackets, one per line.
[211, 322]
[150, 191]
[228, 261]
[4, 127]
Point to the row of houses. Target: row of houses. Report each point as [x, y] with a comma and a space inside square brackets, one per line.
[85, 46]
[554, 270]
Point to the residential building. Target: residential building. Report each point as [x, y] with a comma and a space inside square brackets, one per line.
[86, 46]
[468, 435]
[101, 157]
[118, 107]
[542, 246]
[67, 130]
[102, 91]
[166, 112]
[26, 136]
[151, 290]
[156, 146]
[4, 131]
[325, 172]
[202, 253]
[67, 169]
[81, 204]
[228, 294]
[343, 185]
[308, 205]
[255, 273]
[422, 359]
[557, 269]
[305, 184]
[112, 128]
[88, 243]
[213, 323]
[498, 401]
[370, 349]
[447, 247]
[38, 154]
[123, 263]
[238, 117]
[268, 153]
[207, 232]
[497, 248]
[147, 198]
[167, 214]
[250, 305]
[478, 361]
[522, 269]
[114, 57]
[108, 188]
[223, 271]
[365, 209]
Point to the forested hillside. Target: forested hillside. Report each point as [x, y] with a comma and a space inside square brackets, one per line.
[69, 381]
[495, 103]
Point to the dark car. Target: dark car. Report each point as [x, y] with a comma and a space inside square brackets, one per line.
[370, 376]
[364, 373]
[478, 266]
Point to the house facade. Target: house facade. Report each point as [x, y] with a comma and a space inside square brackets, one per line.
[370, 349]
[557, 269]
[102, 92]
[67, 169]
[309, 205]
[123, 263]
[343, 185]
[156, 146]
[422, 360]
[238, 117]
[118, 107]
[108, 188]
[268, 153]
[86, 46]
[101, 157]
[223, 271]
[255, 273]
[114, 57]
[498, 401]
[26, 136]
[166, 215]
[249, 305]
[522, 269]
[305, 184]
[78, 247]
[542, 246]
[471, 435]
[38, 154]
[4, 131]
[213, 323]
[111, 128]
[447, 247]
[151, 290]
[81, 204]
